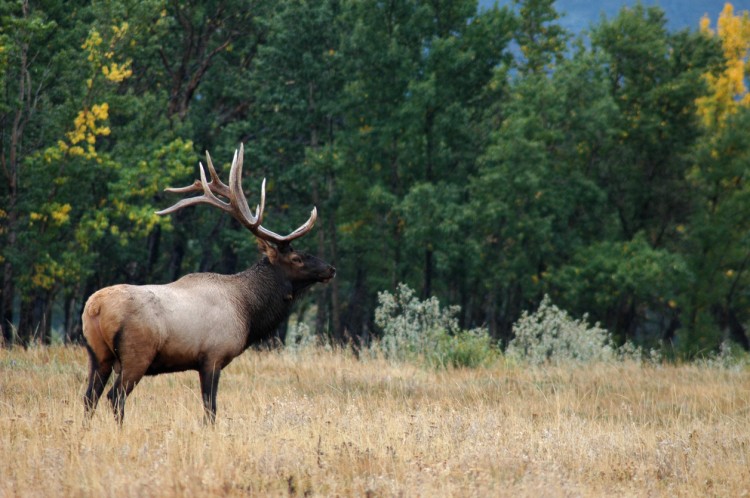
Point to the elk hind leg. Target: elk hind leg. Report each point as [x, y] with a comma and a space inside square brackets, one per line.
[121, 389]
[99, 373]
[134, 362]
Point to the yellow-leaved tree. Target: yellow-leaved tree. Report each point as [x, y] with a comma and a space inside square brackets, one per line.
[728, 90]
[66, 159]
[59, 194]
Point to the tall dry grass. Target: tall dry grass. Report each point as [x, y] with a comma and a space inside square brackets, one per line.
[326, 424]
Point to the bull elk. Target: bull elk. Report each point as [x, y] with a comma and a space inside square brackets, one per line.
[203, 320]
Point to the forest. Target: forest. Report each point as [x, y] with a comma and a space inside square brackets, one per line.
[487, 157]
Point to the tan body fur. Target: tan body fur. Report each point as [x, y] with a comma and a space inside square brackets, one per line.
[162, 319]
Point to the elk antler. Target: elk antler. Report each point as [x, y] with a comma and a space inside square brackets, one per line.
[237, 205]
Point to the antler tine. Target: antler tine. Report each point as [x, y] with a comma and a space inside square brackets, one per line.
[237, 198]
[207, 198]
[266, 234]
[261, 207]
[216, 184]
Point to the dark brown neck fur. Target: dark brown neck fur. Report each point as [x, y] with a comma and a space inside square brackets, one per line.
[267, 298]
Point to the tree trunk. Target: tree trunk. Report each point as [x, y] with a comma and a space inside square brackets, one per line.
[154, 243]
[72, 320]
[490, 312]
[26, 330]
[429, 168]
[731, 326]
[178, 247]
[6, 304]
[35, 322]
[338, 330]
[354, 314]
[10, 150]
[9, 288]
[45, 316]
[428, 270]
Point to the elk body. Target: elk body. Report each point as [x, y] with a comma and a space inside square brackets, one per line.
[203, 320]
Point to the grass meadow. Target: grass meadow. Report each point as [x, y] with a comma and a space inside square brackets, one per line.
[326, 424]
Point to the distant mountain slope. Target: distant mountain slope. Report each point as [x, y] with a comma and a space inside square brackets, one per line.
[581, 14]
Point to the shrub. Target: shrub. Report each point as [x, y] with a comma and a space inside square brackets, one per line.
[416, 330]
[467, 348]
[551, 335]
[300, 337]
[730, 357]
[629, 351]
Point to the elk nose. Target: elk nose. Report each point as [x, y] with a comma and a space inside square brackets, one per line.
[332, 269]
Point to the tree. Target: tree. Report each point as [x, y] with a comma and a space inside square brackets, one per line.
[718, 232]
[728, 88]
[528, 183]
[533, 204]
[31, 109]
[654, 78]
[421, 75]
[541, 39]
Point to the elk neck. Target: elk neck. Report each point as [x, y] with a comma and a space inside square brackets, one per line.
[267, 296]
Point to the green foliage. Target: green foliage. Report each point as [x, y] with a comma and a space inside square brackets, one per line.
[718, 303]
[654, 79]
[540, 39]
[422, 331]
[608, 275]
[466, 349]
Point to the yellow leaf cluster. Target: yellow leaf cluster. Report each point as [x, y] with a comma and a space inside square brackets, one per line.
[119, 32]
[46, 275]
[92, 42]
[728, 90]
[85, 130]
[61, 214]
[58, 214]
[104, 59]
[116, 73]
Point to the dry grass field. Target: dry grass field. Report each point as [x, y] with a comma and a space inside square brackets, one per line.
[325, 424]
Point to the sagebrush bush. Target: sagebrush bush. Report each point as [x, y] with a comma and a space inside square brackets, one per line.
[300, 337]
[416, 330]
[550, 335]
[730, 357]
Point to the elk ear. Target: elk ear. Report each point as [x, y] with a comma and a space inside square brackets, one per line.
[271, 252]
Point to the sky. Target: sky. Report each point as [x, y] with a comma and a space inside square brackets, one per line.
[580, 14]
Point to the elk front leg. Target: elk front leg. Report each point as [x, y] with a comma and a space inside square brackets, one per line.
[209, 376]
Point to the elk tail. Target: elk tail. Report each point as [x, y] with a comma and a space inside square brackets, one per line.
[93, 310]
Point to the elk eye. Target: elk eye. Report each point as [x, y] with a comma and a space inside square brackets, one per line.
[296, 260]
